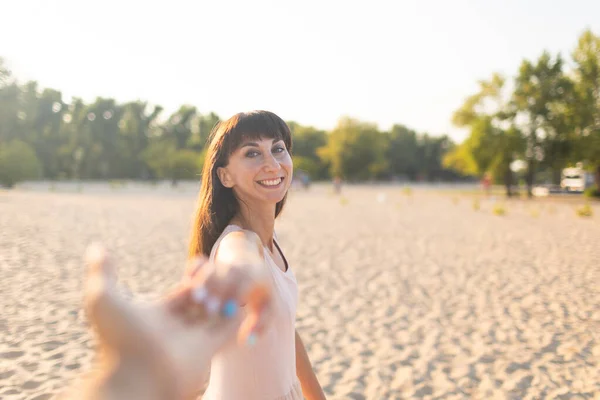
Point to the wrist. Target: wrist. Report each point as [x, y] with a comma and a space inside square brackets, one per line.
[132, 379]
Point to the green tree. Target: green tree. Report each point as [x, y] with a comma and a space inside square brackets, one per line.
[402, 152]
[18, 162]
[5, 74]
[135, 128]
[10, 123]
[492, 144]
[307, 142]
[204, 125]
[586, 107]
[356, 150]
[179, 126]
[539, 89]
[167, 162]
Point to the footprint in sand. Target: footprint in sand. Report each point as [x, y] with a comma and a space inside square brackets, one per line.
[43, 396]
[31, 384]
[29, 366]
[11, 355]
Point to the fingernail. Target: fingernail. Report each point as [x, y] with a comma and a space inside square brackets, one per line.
[212, 305]
[251, 340]
[199, 294]
[229, 308]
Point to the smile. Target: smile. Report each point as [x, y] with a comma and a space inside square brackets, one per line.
[271, 183]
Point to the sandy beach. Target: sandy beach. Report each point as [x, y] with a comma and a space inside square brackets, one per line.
[401, 296]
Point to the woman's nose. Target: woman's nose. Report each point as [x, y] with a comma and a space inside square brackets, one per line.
[271, 163]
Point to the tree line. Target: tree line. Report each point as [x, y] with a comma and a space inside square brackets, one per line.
[42, 136]
[547, 117]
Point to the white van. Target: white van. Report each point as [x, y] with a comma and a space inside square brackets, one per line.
[575, 179]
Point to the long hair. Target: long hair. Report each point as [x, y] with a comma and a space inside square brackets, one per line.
[217, 204]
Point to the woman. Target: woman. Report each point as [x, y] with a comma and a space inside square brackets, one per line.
[247, 173]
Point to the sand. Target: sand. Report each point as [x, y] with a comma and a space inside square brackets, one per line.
[401, 296]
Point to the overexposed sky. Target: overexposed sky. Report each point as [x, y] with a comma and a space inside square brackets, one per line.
[395, 61]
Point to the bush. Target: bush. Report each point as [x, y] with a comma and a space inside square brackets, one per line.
[186, 164]
[499, 210]
[592, 191]
[168, 163]
[18, 162]
[585, 211]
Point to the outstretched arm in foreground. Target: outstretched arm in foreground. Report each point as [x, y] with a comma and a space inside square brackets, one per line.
[162, 351]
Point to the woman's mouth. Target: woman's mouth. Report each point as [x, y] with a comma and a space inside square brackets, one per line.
[271, 183]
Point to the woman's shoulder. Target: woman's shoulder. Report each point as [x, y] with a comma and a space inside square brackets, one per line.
[235, 240]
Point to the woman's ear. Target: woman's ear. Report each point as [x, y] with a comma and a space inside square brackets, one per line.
[225, 177]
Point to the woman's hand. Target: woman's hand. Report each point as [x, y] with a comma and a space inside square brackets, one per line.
[163, 350]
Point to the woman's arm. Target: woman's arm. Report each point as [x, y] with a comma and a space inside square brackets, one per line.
[308, 380]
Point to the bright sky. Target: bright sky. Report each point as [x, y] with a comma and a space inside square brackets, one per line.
[396, 61]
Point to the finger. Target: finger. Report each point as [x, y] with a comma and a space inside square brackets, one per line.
[111, 316]
[209, 290]
[99, 266]
[256, 322]
[179, 299]
[254, 290]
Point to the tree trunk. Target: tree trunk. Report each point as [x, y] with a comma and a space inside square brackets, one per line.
[556, 173]
[508, 182]
[529, 177]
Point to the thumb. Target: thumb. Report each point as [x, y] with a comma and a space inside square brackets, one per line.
[99, 266]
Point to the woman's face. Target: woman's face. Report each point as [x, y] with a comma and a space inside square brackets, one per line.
[259, 170]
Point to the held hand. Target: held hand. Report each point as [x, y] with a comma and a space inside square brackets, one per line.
[166, 347]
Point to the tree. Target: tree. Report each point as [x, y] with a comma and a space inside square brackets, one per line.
[134, 135]
[539, 90]
[179, 126]
[355, 150]
[204, 125]
[5, 74]
[402, 152]
[491, 146]
[586, 107]
[307, 141]
[18, 162]
[167, 162]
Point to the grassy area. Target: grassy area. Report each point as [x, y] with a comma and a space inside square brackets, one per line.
[499, 192]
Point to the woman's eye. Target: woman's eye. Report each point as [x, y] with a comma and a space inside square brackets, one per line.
[252, 153]
[278, 150]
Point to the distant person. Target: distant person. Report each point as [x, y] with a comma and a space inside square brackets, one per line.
[162, 351]
[305, 177]
[246, 176]
[337, 185]
[486, 182]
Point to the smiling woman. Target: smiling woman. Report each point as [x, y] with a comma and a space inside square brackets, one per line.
[243, 150]
[246, 176]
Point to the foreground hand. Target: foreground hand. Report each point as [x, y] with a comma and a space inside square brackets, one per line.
[163, 350]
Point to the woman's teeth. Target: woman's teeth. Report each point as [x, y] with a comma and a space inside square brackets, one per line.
[270, 182]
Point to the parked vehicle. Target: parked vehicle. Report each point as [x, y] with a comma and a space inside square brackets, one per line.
[576, 179]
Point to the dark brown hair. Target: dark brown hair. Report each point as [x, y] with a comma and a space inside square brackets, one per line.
[217, 205]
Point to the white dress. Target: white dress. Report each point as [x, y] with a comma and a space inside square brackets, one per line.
[266, 370]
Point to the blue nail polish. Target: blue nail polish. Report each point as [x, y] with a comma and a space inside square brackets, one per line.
[251, 341]
[229, 309]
